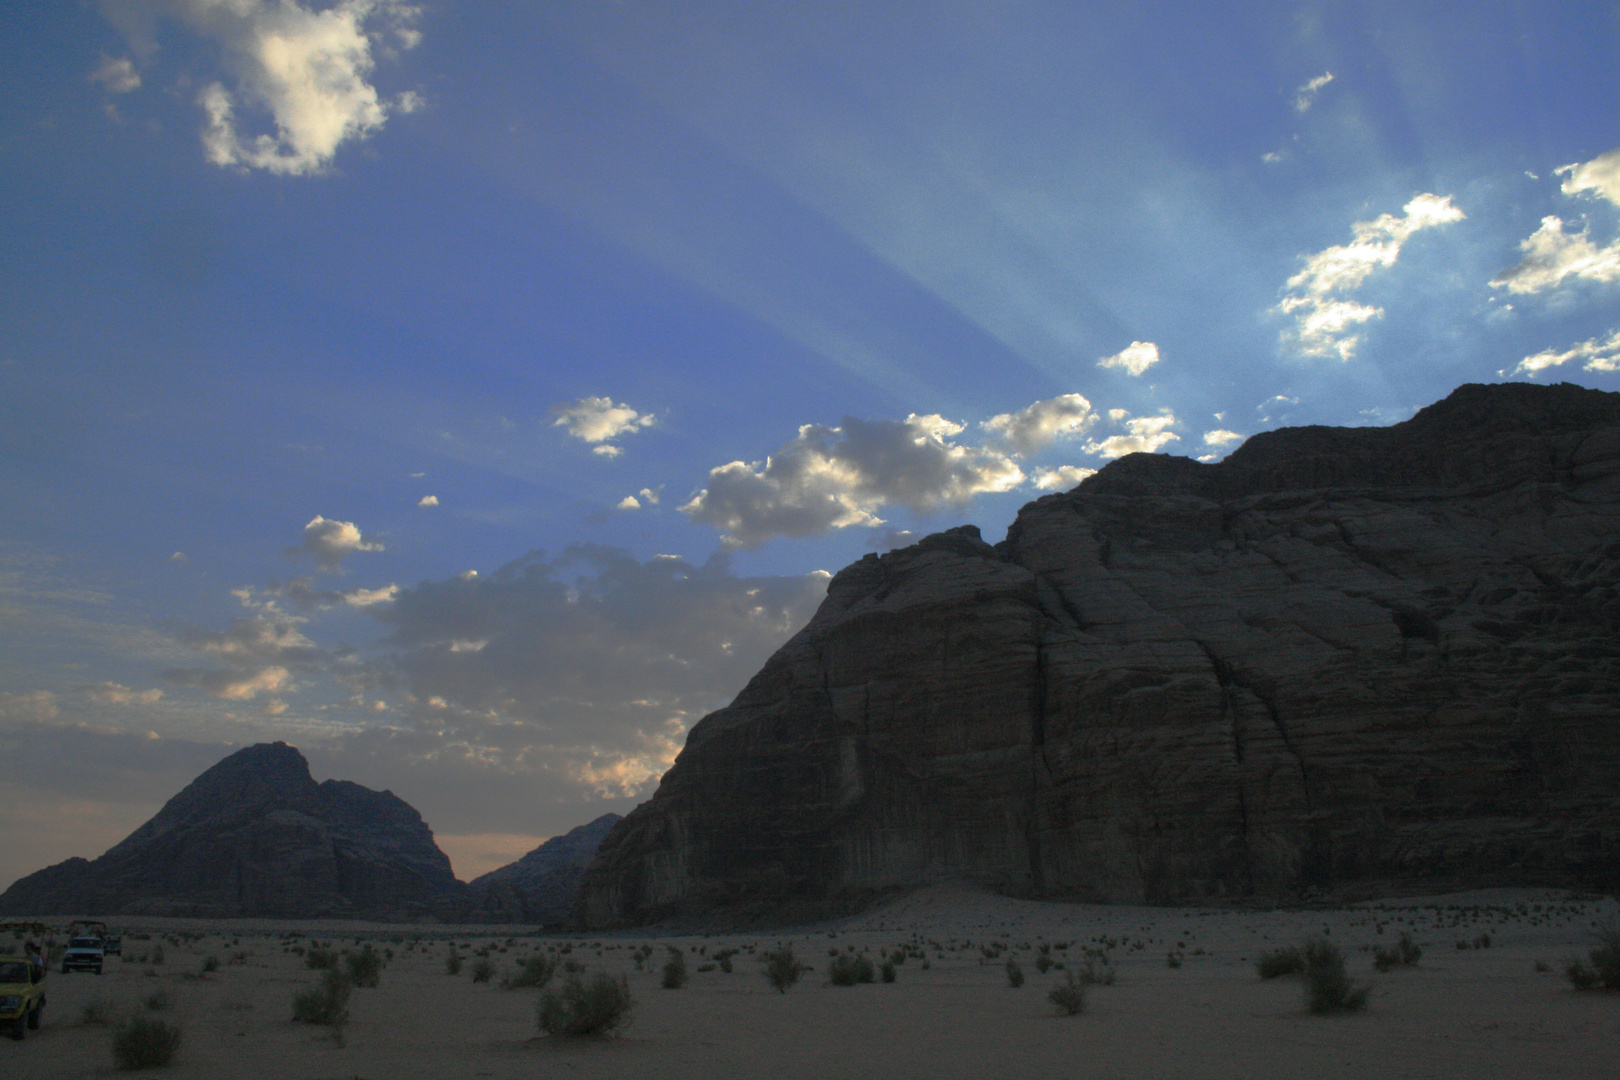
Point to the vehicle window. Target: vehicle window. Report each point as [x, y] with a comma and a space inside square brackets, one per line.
[13, 972]
[84, 943]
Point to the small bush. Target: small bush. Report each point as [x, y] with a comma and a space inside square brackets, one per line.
[1288, 961]
[536, 970]
[452, 964]
[157, 955]
[886, 972]
[1172, 959]
[723, 958]
[1015, 974]
[1327, 988]
[327, 1002]
[782, 969]
[319, 959]
[1605, 969]
[210, 964]
[847, 969]
[159, 1000]
[599, 1007]
[1069, 997]
[145, 1042]
[364, 967]
[1404, 954]
[1098, 975]
[1043, 962]
[674, 969]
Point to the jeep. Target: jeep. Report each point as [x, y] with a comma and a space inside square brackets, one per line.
[83, 954]
[22, 993]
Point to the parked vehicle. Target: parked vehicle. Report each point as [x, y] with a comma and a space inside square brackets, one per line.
[22, 993]
[83, 954]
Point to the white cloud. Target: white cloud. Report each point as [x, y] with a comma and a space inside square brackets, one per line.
[111, 693]
[628, 503]
[835, 477]
[650, 496]
[179, 557]
[1033, 429]
[1324, 324]
[304, 69]
[117, 74]
[365, 598]
[255, 638]
[1144, 435]
[233, 685]
[1135, 358]
[1601, 176]
[1222, 437]
[1599, 355]
[1305, 96]
[1551, 255]
[36, 706]
[331, 541]
[598, 420]
[1064, 476]
[428, 500]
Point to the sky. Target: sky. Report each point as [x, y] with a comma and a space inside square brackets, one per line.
[474, 395]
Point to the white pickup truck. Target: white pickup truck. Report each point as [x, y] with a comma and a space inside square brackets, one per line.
[83, 954]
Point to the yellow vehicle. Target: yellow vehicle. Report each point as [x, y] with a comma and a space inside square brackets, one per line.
[22, 992]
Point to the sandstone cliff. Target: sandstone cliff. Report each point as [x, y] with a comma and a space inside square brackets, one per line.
[540, 887]
[256, 836]
[1341, 661]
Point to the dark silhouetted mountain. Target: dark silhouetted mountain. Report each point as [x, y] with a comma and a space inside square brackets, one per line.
[1341, 662]
[256, 836]
[542, 886]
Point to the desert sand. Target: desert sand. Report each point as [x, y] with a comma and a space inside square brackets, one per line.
[1459, 1012]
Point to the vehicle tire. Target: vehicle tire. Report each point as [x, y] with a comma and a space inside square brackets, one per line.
[37, 1017]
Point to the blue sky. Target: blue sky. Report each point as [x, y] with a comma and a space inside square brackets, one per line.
[473, 395]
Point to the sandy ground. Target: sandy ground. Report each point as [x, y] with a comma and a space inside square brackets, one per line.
[1474, 1012]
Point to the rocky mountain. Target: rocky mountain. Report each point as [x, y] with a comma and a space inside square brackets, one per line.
[256, 836]
[542, 886]
[1341, 662]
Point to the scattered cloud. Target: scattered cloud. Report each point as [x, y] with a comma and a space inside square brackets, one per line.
[179, 557]
[1135, 358]
[1033, 429]
[1600, 355]
[332, 541]
[1143, 435]
[111, 693]
[1551, 255]
[36, 706]
[428, 500]
[232, 685]
[1221, 437]
[1064, 477]
[834, 477]
[1305, 96]
[598, 420]
[365, 598]
[628, 503]
[117, 74]
[303, 69]
[650, 496]
[1325, 321]
[588, 667]
[1600, 176]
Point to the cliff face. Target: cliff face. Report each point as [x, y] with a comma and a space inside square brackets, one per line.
[256, 836]
[540, 887]
[1341, 661]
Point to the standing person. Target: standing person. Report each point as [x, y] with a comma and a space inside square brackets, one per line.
[36, 962]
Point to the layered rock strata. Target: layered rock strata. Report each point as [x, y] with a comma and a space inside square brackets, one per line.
[256, 836]
[1339, 662]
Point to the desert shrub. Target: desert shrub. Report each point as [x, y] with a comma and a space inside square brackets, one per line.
[1043, 962]
[674, 969]
[159, 1000]
[1605, 957]
[1288, 961]
[319, 959]
[210, 963]
[96, 1012]
[535, 970]
[1171, 959]
[157, 955]
[886, 972]
[847, 969]
[145, 1042]
[1327, 988]
[1069, 997]
[782, 968]
[1015, 974]
[327, 1002]
[723, 958]
[452, 964]
[483, 970]
[364, 967]
[599, 1007]
[1097, 974]
[1404, 954]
